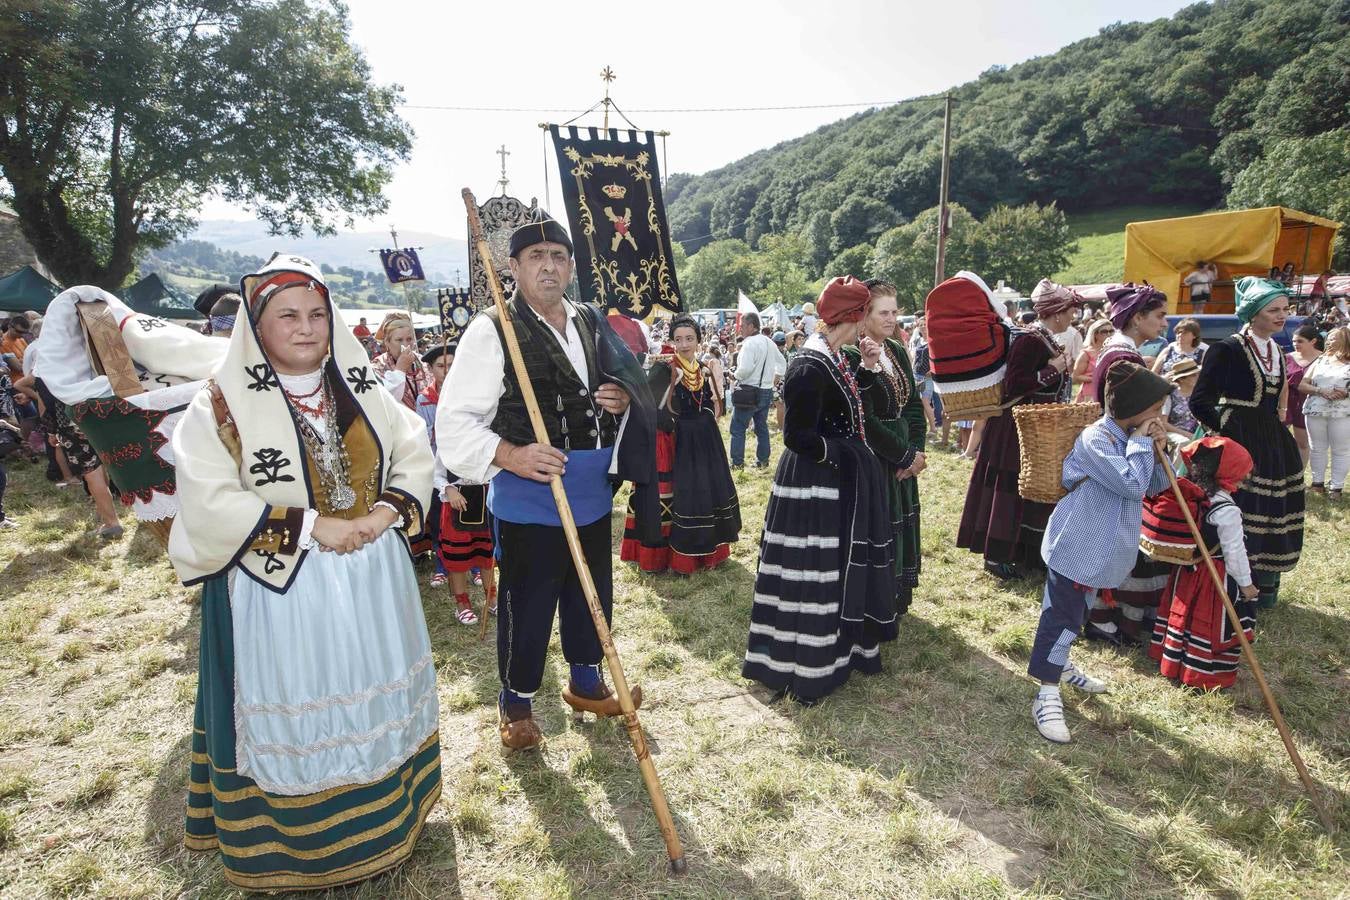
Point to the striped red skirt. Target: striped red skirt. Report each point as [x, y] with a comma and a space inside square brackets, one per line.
[466, 537]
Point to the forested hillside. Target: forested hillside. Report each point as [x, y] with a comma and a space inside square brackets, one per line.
[1238, 102]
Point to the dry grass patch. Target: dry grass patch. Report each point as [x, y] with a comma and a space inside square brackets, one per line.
[927, 780]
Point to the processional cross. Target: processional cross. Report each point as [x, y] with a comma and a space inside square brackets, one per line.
[503, 181]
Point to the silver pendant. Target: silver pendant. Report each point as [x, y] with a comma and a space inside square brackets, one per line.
[343, 497]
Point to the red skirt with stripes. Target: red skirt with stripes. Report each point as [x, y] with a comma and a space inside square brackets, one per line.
[1193, 640]
[464, 546]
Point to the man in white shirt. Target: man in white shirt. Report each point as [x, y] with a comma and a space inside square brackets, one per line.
[484, 434]
[759, 365]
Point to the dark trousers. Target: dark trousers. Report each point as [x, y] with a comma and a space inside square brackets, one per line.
[741, 419]
[1064, 606]
[537, 578]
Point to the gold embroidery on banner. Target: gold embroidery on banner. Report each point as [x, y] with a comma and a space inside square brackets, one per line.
[655, 273]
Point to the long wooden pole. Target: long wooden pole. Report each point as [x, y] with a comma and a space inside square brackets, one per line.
[678, 864]
[940, 264]
[1247, 653]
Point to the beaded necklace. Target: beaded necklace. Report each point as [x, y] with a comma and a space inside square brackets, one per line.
[852, 384]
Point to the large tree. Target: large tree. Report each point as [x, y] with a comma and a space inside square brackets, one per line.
[116, 118]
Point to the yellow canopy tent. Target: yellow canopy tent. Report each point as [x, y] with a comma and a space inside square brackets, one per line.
[1241, 242]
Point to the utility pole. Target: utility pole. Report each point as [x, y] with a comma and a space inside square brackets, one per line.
[940, 266]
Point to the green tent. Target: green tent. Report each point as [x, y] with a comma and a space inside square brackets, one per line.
[153, 297]
[26, 289]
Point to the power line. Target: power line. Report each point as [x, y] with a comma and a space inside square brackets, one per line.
[673, 110]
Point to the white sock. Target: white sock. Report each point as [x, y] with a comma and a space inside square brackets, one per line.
[1048, 690]
[1108, 627]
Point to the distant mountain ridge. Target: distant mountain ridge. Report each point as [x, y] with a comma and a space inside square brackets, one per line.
[1178, 110]
[441, 255]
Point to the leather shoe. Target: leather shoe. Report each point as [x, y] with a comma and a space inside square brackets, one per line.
[519, 733]
[603, 702]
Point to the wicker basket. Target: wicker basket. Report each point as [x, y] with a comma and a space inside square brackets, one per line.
[1046, 433]
[1168, 553]
[977, 404]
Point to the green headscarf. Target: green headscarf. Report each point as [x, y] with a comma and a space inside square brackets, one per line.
[1255, 294]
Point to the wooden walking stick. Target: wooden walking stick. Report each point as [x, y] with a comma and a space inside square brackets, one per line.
[1246, 646]
[487, 606]
[678, 864]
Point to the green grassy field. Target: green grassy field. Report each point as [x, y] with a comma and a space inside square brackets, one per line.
[928, 780]
[1101, 241]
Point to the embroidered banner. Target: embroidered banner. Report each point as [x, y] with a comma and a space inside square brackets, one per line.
[612, 190]
[402, 265]
[500, 217]
[457, 308]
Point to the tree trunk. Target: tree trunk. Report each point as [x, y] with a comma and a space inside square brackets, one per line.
[45, 221]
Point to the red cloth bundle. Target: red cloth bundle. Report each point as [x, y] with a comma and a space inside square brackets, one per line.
[1165, 536]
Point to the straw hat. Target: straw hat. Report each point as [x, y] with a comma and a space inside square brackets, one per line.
[1183, 368]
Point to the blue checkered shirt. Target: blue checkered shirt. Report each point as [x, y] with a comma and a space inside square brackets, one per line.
[1093, 535]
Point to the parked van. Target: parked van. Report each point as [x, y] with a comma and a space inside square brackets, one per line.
[1216, 327]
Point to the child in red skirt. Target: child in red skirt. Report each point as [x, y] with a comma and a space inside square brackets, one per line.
[1193, 639]
[465, 540]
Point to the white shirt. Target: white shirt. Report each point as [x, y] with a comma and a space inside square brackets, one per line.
[1228, 522]
[759, 362]
[1071, 340]
[466, 443]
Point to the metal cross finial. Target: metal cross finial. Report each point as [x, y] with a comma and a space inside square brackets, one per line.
[608, 75]
[503, 181]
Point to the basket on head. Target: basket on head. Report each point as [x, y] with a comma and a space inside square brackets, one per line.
[1165, 536]
[968, 340]
[1046, 433]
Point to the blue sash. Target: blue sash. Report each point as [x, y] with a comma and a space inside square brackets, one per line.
[528, 502]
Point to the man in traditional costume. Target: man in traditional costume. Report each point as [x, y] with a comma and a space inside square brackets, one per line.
[1242, 383]
[593, 399]
[315, 748]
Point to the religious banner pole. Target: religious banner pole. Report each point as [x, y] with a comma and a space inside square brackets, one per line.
[1236, 622]
[678, 864]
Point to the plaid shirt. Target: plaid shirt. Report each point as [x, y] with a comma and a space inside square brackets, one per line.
[1093, 534]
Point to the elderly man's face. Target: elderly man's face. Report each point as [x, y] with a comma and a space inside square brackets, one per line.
[542, 272]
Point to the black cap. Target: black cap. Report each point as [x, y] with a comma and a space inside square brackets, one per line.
[547, 230]
[1131, 389]
[438, 351]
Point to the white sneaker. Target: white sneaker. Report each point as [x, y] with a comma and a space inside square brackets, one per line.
[1085, 683]
[1048, 711]
[7, 524]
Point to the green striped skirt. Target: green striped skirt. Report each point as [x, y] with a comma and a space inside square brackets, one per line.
[273, 842]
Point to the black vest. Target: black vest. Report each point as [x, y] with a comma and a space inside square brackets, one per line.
[570, 413]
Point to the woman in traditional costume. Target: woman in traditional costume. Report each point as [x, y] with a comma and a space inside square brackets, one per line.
[315, 751]
[1242, 381]
[896, 430]
[997, 522]
[1193, 640]
[1139, 315]
[694, 477]
[825, 589]
[397, 365]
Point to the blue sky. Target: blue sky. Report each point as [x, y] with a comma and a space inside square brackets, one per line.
[670, 56]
